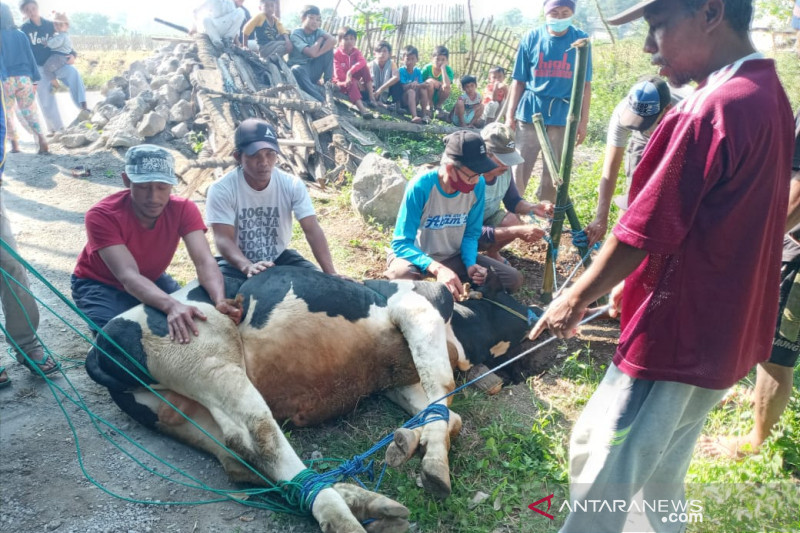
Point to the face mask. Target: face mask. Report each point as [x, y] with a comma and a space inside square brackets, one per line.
[462, 186]
[558, 25]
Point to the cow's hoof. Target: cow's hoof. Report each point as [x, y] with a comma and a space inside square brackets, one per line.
[490, 385]
[402, 448]
[436, 477]
[385, 515]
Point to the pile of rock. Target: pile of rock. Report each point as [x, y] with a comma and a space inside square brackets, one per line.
[153, 97]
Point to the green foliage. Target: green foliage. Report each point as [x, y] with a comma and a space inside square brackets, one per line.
[82, 23]
[197, 140]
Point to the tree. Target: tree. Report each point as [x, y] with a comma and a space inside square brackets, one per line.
[84, 23]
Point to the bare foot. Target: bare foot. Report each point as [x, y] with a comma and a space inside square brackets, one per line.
[732, 447]
[14, 147]
[43, 147]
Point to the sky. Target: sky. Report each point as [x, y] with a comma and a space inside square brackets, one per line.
[138, 13]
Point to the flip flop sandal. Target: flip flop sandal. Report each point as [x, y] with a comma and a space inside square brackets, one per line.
[6, 382]
[81, 172]
[39, 364]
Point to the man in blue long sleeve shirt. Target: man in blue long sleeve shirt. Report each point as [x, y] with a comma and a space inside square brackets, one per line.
[441, 217]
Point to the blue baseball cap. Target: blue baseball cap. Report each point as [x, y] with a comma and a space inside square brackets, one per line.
[646, 100]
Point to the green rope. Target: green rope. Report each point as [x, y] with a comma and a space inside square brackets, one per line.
[262, 498]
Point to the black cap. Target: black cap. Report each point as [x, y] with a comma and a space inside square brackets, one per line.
[467, 148]
[253, 135]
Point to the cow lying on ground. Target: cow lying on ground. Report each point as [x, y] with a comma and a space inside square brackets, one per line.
[308, 348]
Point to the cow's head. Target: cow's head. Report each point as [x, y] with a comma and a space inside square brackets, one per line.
[492, 326]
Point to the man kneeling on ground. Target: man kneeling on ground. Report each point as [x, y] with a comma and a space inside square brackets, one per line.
[250, 209]
[132, 236]
[501, 227]
[440, 221]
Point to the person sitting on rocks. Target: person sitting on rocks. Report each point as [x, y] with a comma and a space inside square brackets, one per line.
[503, 226]
[132, 237]
[272, 38]
[250, 209]
[221, 20]
[311, 56]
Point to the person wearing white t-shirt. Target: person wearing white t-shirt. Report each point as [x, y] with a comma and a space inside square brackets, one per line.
[250, 209]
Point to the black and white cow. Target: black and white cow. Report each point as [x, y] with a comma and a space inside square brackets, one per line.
[308, 348]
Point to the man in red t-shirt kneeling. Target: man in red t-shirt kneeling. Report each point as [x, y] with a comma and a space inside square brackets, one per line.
[132, 236]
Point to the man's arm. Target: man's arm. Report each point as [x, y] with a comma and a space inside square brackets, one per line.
[209, 274]
[793, 217]
[598, 227]
[324, 44]
[515, 95]
[180, 317]
[318, 243]
[225, 239]
[613, 264]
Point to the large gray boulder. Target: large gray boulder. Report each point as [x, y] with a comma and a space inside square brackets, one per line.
[124, 138]
[138, 83]
[167, 95]
[152, 123]
[115, 97]
[178, 82]
[181, 112]
[378, 189]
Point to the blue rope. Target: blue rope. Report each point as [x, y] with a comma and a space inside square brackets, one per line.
[308, 483]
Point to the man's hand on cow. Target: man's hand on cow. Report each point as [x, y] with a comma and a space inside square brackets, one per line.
[232, 308]
[561, 317]
[180, 319]
[256, 268]
[450, 280]
[477, 274]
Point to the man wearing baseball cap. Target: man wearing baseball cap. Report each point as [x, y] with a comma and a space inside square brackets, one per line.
[699, 249]
[503, 226]
[250, 209]
[542, 83]
[132, 236]
[636, 116]
[440, 220]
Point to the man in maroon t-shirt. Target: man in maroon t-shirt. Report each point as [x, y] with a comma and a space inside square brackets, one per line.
[132, 236]
[699, 250]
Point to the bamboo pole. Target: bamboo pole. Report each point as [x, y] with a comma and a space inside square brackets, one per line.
[562, 197]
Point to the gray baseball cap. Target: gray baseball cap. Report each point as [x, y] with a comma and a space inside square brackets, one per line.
[148, 162]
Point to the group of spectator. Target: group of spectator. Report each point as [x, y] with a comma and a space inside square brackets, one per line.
[693, 266]
[35, 59]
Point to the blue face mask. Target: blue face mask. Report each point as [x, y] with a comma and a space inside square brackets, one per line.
[558, 25]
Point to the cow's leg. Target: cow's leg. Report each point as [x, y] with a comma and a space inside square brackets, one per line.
[407, 441]
[247, 427]
[426, 334]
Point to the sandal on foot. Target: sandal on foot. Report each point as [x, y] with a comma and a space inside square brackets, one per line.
[5, 382]
[39, 363]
